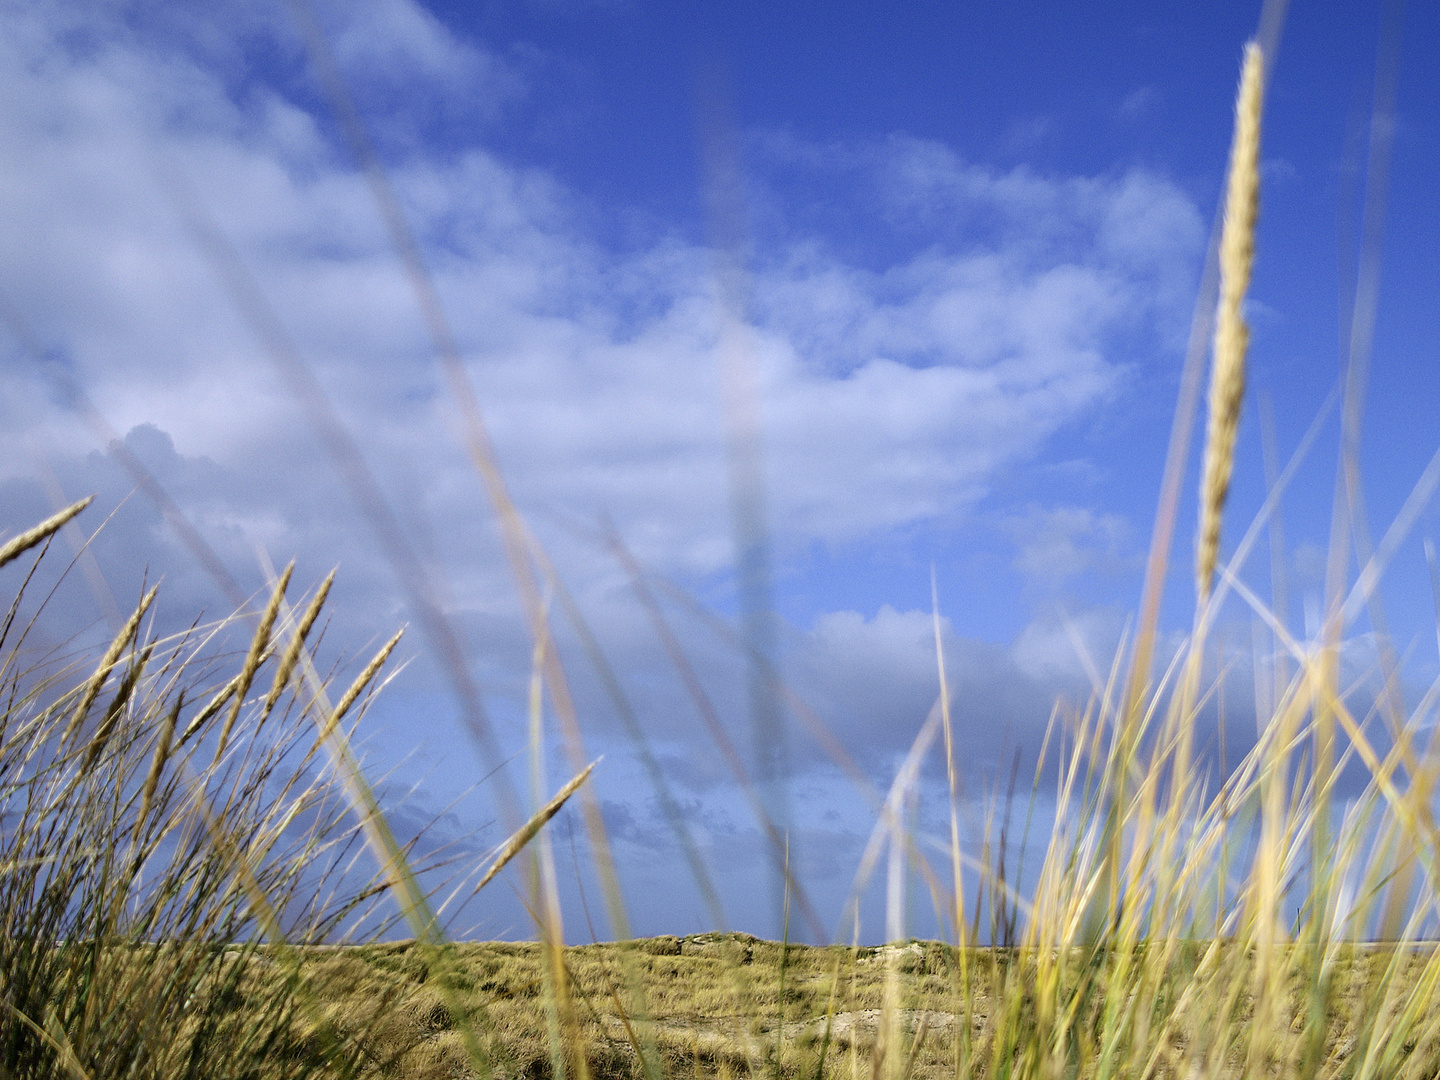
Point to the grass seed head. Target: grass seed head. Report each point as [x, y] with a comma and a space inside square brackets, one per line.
[363, 679]
[258, 650]
[14, 548]
[107, 662]
[1227, 372]
[291, 656]
[157, 763]
[116, 709]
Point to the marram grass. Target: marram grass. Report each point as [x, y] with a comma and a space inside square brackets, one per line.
[128, 944]
[185, 835]
[1232, 336]
[165, 867]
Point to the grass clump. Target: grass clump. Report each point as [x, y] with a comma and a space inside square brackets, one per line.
[165, 843]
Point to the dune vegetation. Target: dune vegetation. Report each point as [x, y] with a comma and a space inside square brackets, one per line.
[199, 881]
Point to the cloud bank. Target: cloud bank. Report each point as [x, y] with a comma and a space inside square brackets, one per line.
[919, 325]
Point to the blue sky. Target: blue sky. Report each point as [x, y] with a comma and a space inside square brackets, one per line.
[974, 235]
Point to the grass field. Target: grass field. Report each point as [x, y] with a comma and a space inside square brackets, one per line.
[730, 1005]
[721, 1005]
[186, 832]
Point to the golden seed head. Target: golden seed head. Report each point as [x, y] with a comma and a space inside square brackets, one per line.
[1227, 372]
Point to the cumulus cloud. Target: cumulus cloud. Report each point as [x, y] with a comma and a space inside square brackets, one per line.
[902, 367]
[1066, 541]
[890, 396]
[877, 678]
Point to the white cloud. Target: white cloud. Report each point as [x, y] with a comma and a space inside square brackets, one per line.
[1066, 541]
[1066, 651]
[398, 43]
[893, 391]
[876, 680]
[1141, 102]
[891, 396]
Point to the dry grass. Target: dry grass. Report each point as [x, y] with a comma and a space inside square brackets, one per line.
[715, 1007]
[1232, 336]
